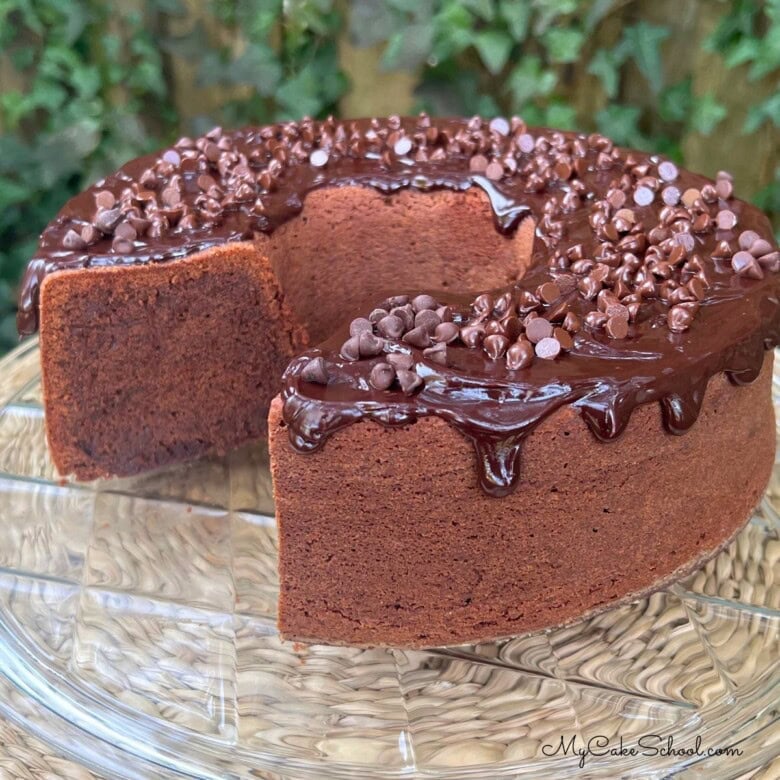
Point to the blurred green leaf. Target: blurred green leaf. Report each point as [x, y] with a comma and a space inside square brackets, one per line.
[409, 49]
[493, 47]
[641, 42]
[766, 111]
[563, 44]
[605, 65]
[706, 114]
[529, 79]
[517, 16]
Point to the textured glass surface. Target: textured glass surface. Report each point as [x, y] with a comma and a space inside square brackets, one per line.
[137, 635]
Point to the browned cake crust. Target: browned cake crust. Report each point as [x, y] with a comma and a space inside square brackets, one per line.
[387, 538]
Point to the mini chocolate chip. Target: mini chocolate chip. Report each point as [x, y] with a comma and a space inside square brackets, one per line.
[350, 349]
[478, 163]
[107, 219]
[548, 292]
[726, 219]
[548, 348]
[382, 376]
[643, 196]
[376, 315]
[406, 314]
[316, 371]
[125, 230]
[771, 261]
[397, 300]
[690, 196]
[403, 146]
[105, 199]
[422, 302]
[724, 188]
[596, 319]
[360, 324]
[122, 246]
[494, 171]
[446, 332]
[495, 345]
[90, 234]
[537, 329]
[618, 310]
[744, 264]
[390, 326]
[445, 313]
[760, 247]
[697, 288]
[670, 196]
[483, 303]
[566, 283]
[572, 322]
[667, 170]
[617, 327]
[409, 380]
[563, 338]
[679, 318]
[369, 345]
[722, 250]
[519, 355]
[319, 158]
[73, 240]
[400, 360]
[499, 125]
[418, 337]
[437, 353]
[472, 335]
[526, 143]
[427, 319]
[747, 238]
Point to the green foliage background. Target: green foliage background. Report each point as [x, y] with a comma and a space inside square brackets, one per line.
[85, 85]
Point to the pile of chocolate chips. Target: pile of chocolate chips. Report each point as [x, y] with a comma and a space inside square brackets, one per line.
[504, 329]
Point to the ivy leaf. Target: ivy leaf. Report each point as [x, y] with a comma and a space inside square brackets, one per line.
[493, 47]
[550, 10]
[605, 65]
[560, 115]
[767, 111]
[528, 80]
[675, 102]
[621, 123]
[641, 42]
[768, 57]
[408, 49]
[597, 12]
[563, 44]
[258, 66]
[745, 50]
[454, 32]
[517, 16]
[370, 22]
[706, 114]
[482, 8]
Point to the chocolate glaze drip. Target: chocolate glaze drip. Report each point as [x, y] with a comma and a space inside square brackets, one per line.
[603, 378]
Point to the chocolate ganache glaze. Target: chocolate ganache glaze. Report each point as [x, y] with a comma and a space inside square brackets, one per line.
[644, 280]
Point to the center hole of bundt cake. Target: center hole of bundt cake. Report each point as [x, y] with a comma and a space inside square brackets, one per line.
[351, 246]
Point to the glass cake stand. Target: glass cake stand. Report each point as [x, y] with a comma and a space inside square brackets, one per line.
[137, 637]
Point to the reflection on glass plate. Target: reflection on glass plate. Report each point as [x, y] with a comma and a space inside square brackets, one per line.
[137, 635]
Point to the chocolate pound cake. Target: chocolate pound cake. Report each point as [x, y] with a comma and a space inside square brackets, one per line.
[550, 393]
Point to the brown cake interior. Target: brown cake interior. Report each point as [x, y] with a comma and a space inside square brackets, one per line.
[149, 365]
